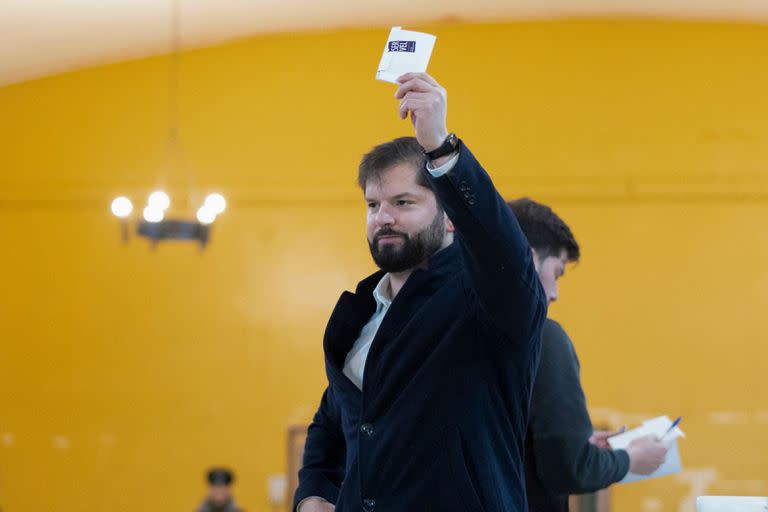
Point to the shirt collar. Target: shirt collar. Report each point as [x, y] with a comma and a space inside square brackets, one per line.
[382, 293]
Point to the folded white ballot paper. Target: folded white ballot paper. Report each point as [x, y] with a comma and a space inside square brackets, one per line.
[659, 427]
[406, 52]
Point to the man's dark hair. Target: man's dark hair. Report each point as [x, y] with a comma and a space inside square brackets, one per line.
[220, 476]
[388, 154]
[546, 232]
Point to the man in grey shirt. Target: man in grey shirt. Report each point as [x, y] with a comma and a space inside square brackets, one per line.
[563, 454]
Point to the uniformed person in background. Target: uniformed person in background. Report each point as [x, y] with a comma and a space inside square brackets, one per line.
[219, 498]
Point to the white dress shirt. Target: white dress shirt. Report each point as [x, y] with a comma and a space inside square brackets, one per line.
[354, 364]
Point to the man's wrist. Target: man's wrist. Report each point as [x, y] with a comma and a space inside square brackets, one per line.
[435, 143]
[436, 164]
[446, 147]
[438, 171]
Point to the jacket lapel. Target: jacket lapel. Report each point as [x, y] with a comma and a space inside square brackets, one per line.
[351, 313]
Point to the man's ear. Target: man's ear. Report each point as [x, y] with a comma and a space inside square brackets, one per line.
[448, 224]
[535, 257]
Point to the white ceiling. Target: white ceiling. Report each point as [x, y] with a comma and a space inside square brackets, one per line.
[44, 37]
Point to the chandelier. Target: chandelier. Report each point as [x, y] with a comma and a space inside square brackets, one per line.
[153, 223]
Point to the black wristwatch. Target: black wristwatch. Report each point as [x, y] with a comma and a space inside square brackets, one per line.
[446, 148]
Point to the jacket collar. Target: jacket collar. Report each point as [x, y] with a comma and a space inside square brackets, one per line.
[354, 309]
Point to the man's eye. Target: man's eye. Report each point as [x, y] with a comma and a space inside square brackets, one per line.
[371, 205]
[403, 202]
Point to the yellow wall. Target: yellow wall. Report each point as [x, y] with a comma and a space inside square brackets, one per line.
[125, 372]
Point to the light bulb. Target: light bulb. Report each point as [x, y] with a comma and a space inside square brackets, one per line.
[122, 207]
[159, 200]
[153, 214]
[205, 215]
[216, 202]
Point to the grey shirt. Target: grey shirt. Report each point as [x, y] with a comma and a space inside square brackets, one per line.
[559, 459]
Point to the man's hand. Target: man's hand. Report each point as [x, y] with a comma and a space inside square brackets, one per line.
[315, 505]
[646, 454]
[600, 437]
[427, 103]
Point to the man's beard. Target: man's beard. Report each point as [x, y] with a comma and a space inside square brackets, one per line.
[413, 251]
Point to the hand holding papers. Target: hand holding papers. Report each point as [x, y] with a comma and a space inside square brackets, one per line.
[664, 429]
[405, 52]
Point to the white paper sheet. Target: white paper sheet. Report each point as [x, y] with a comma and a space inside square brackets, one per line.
[659, 427]
[405, 52]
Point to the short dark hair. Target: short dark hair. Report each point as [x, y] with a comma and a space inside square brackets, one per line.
[546, 232]
[388, 154]
[220, 476]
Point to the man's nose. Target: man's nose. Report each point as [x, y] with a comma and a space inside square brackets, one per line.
[384, 217]
[553, 295]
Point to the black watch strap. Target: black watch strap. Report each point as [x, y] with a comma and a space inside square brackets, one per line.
[446, 148]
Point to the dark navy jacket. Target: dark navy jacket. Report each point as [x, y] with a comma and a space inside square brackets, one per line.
[441, 420]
